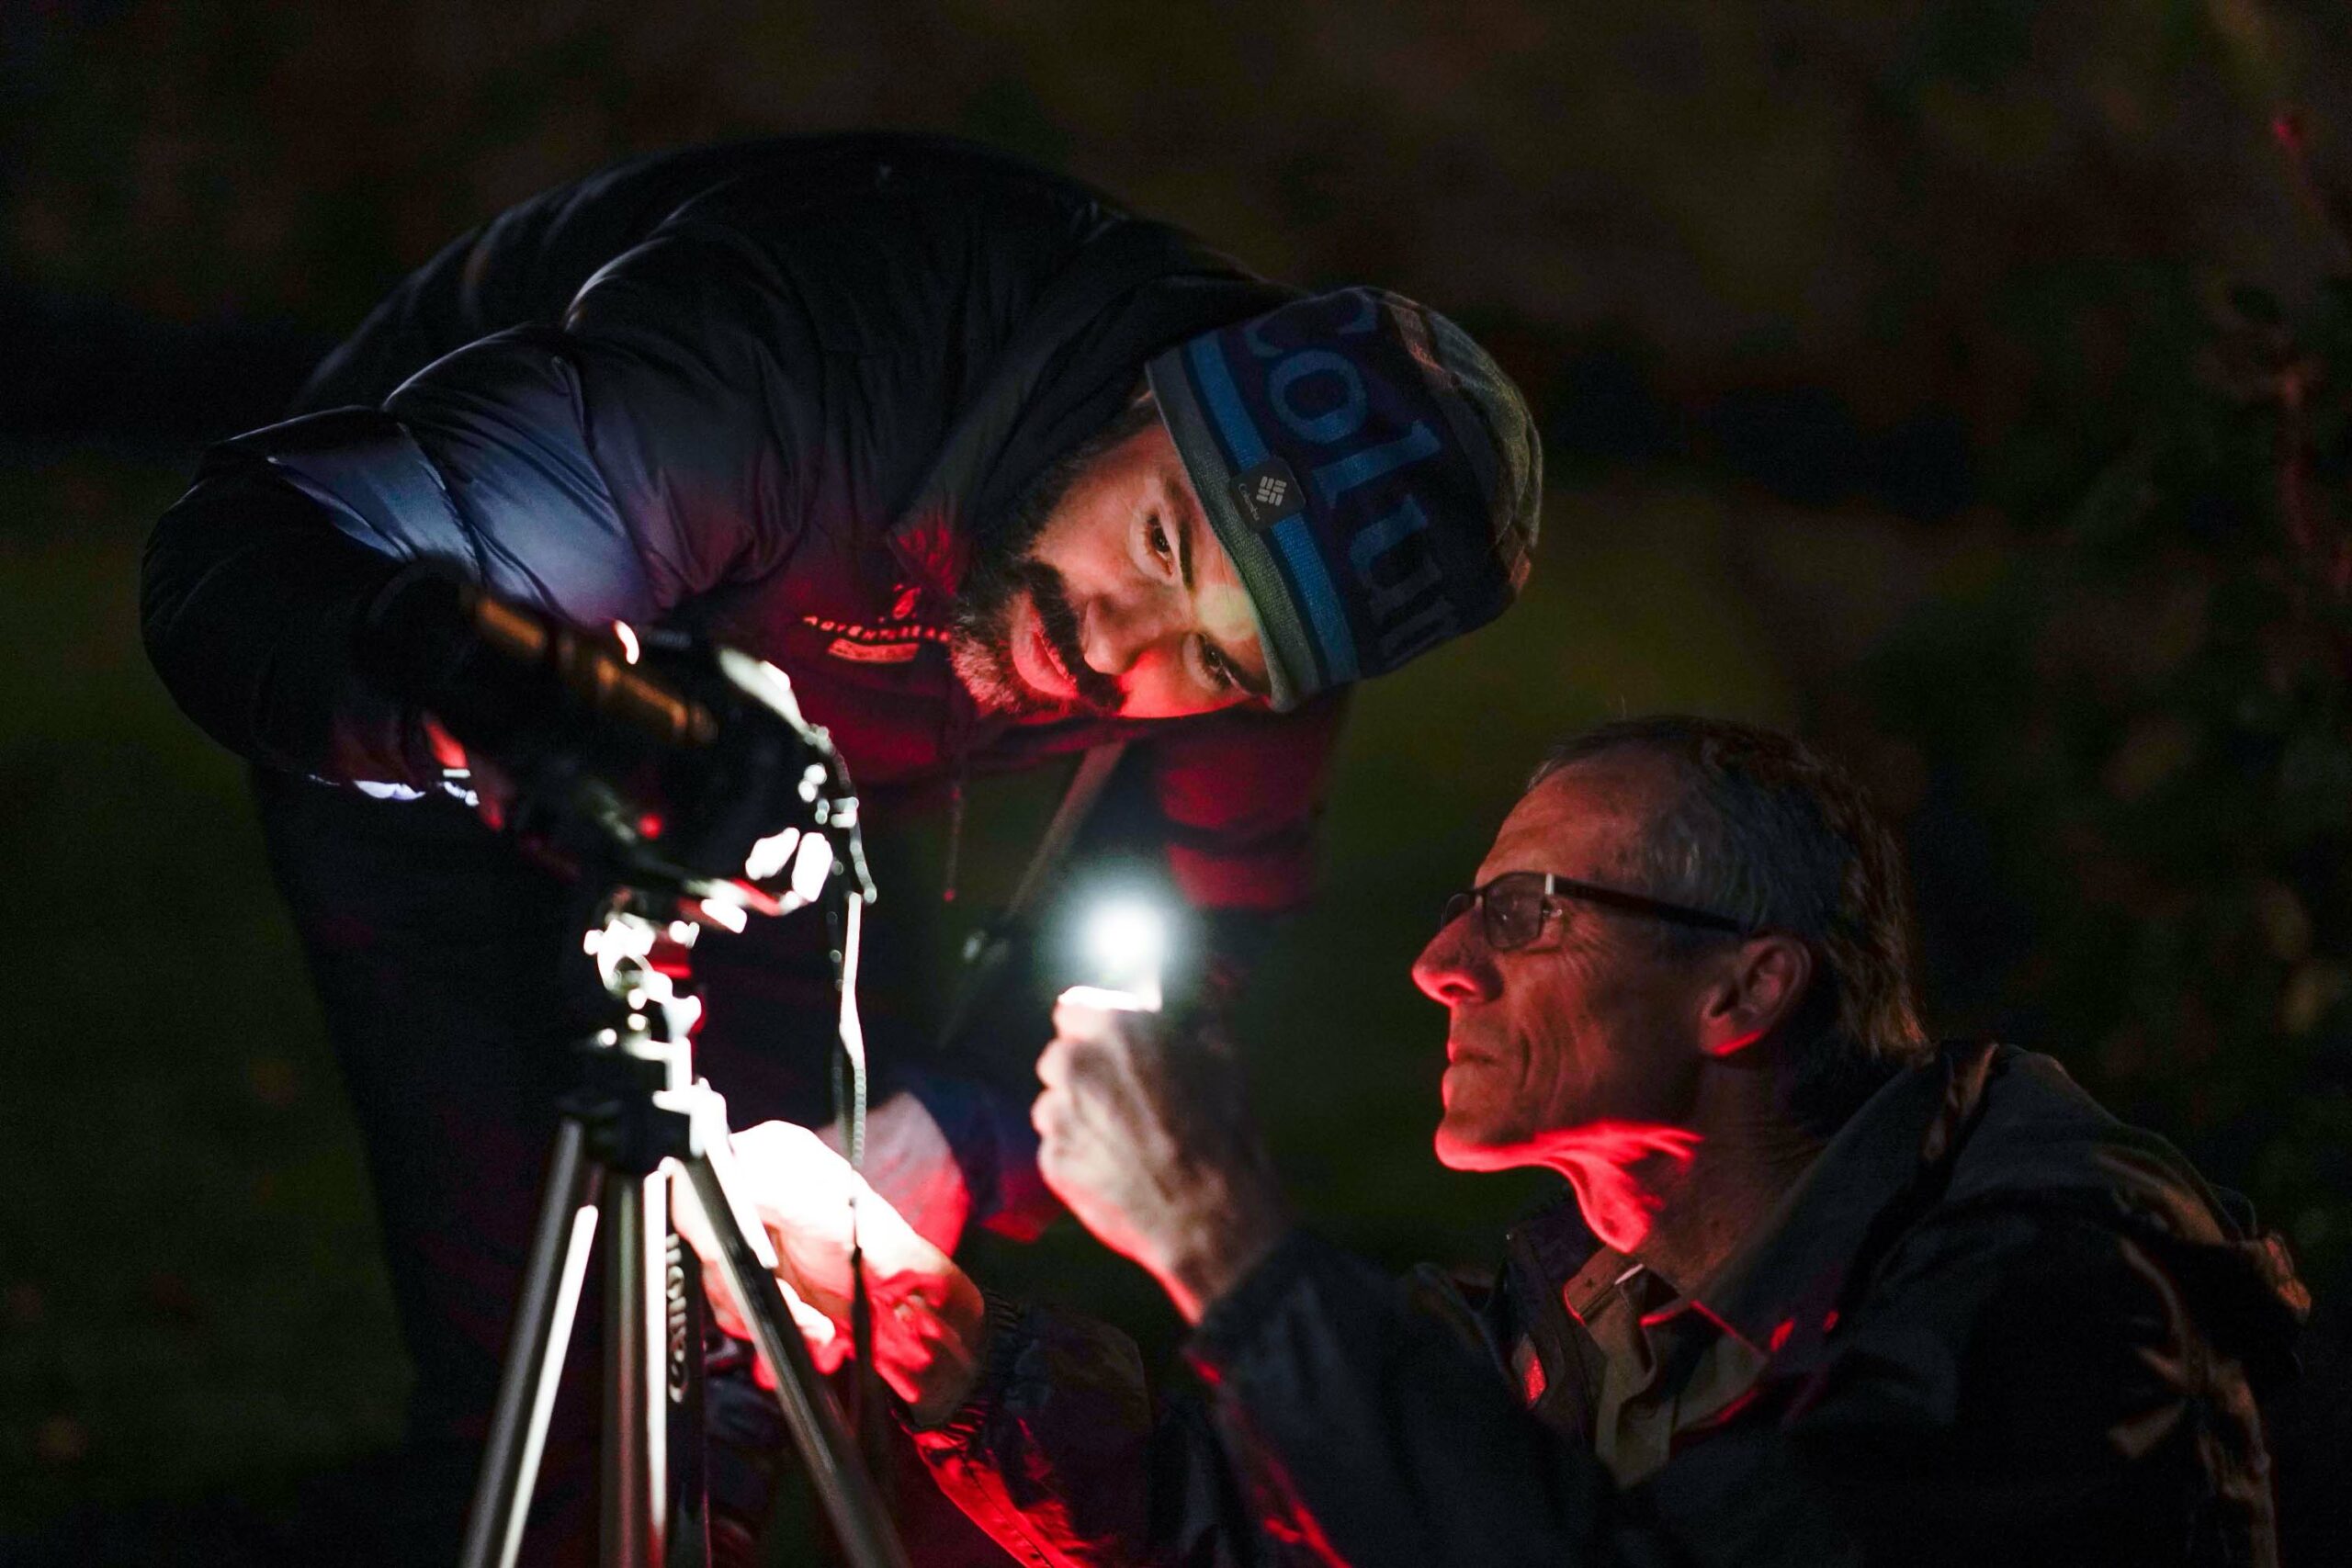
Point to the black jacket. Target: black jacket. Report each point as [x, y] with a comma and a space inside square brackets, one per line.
[1992, 1325]
[772, 392]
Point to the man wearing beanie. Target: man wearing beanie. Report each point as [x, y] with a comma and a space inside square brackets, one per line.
[994, 470]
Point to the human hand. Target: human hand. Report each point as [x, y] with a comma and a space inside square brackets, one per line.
[493, 791]
[908, 1160]
[1149, 1142]
[929, 1317]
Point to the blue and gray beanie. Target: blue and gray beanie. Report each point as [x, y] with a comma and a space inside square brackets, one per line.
[1372, 473]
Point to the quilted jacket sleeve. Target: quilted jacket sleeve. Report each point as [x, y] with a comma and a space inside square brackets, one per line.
[605, 469]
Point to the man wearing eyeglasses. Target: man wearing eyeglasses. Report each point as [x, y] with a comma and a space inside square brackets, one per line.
[1826, 1293]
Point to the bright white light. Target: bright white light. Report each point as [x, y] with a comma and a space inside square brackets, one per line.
[1127, 933]
[627, 635]
[1127, 940]
[771, 854]
[760, 680]
[721, 913]
[810, 867]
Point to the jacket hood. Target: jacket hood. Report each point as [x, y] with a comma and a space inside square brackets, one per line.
[1984, 1124]
[2037, 1137]
[1133, 288]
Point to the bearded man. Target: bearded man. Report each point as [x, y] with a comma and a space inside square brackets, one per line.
[993, 469]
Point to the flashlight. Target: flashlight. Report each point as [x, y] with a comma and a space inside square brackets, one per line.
[1127, 940]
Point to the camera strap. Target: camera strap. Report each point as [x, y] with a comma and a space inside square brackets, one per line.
[1078, 803]
[988, 952]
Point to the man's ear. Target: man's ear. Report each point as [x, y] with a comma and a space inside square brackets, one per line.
[1759, 986]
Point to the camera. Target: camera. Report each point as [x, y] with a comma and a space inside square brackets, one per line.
[648, 758]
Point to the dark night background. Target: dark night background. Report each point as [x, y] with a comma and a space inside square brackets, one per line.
[1955, 383]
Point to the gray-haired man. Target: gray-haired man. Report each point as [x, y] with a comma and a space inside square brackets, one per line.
[1825, 1293]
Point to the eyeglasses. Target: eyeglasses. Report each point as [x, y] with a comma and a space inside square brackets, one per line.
[1512, 907]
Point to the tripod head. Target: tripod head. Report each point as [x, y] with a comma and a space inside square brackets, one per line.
[680, 770]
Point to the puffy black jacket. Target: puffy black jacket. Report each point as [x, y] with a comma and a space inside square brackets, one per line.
[772, 392]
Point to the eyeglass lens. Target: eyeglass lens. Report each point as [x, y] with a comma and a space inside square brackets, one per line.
[1510, 910]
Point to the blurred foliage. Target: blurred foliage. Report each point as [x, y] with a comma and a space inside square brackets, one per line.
[1917, 207]
[2150, 704]
[188, 1287]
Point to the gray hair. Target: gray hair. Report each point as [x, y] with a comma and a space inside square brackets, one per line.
[1769, 832]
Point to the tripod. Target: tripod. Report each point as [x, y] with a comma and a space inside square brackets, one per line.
[639, 1119]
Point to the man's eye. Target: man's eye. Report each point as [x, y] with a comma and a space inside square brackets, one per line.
[1158, 539]
[1217, 671]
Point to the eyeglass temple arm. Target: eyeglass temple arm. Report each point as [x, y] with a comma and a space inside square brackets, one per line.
[1682, 914]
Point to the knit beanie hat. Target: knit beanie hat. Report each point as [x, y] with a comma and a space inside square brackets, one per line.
[1371, 470]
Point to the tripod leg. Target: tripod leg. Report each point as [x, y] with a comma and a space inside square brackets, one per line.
[636, 1316]
[810, 1412]
[689, 1450]
[561, 1246]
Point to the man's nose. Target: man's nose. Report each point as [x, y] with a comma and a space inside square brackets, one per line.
[1457, 967]
[1117, 633]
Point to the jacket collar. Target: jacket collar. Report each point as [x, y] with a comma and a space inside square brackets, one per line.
[1781, 1294]
[1900, 1154]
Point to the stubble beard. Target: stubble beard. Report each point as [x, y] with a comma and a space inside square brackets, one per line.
[1004, 570]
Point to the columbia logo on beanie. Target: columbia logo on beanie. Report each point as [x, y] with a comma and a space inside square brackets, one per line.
[1417, 512]
[1267, 494]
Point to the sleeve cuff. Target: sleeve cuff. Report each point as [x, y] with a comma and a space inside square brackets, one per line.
[1235, 1317]
[1004, 1335]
